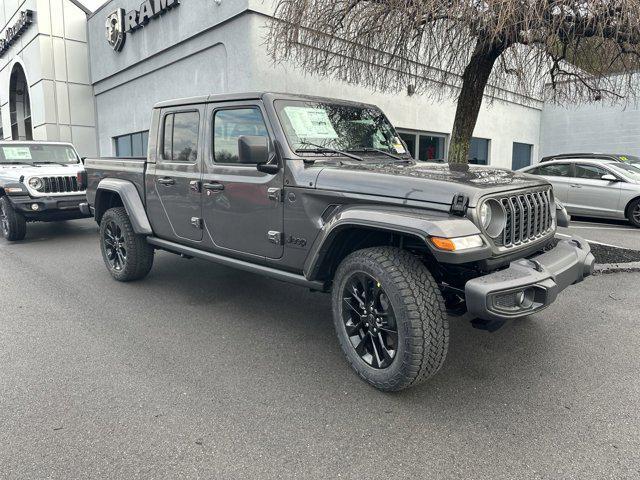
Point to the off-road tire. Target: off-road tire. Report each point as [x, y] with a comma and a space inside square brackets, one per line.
[633, 213]
[139, 254]
[15, 228]
[422, 324]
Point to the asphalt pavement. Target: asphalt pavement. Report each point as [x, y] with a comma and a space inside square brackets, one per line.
[202, 371]
[611, 232]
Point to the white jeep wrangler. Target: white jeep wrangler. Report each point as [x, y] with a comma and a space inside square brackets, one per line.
[39, 182]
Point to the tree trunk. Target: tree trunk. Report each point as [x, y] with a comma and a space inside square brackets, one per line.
[474, 80]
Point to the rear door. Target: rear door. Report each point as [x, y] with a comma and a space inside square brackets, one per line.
[559, 175]
[173, 184]
[242, 207]
[590, 195]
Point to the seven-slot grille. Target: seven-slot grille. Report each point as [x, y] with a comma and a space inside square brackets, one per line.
[528, 217]
[64, 184]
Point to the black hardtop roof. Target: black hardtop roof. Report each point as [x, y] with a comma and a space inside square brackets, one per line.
[238, 97]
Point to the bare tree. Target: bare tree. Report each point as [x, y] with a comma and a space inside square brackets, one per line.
[466, 48]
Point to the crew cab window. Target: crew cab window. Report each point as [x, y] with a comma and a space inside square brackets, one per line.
[554, 170]
[180, 136]
[229, 125]
[590, 171]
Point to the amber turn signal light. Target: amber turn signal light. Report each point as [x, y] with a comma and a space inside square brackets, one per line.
[443, 244]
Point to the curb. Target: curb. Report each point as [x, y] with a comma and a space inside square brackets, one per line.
[605, 268]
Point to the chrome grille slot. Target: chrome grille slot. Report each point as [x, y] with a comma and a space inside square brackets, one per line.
[65, 184]
[528, 216]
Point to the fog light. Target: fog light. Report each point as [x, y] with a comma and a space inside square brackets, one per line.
[35, 207]
[524, 298]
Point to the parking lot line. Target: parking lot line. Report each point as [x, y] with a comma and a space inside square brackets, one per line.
[591, 241]
[603, 228]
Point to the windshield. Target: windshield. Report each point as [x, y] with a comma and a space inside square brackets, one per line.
[629, 159]
[313, 126]
[37, 153]
[628, 170]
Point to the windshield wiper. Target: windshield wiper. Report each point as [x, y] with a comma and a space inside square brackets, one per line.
[323, 149]
[377, 150]
[15, 163]
[50, 163]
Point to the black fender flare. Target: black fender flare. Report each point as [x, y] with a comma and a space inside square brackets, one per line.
[418, 223]
[131, 200]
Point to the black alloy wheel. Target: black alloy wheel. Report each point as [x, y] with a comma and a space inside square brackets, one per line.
[635, 214]
[115, 246]
[370, 321]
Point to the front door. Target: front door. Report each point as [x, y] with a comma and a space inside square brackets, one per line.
[242, 207]
[173, 187]
[590, 195]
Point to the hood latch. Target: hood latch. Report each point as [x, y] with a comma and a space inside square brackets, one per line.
[459, 204]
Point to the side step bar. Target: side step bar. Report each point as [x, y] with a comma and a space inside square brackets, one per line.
[235, 263]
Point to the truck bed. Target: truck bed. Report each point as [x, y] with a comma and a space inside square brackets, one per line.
[124, 168]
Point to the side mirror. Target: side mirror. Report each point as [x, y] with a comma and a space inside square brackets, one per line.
[253, 149]
[609, 178]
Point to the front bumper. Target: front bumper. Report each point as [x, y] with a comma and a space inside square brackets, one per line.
[529, 285]
[49, 208]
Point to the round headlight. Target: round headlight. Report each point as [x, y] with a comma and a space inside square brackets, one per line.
[492, 218]
[36, 183]
[485, 215]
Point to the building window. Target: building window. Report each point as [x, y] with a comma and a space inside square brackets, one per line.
[521, 156]
[132, 144]
[479, 151]
[424, 146]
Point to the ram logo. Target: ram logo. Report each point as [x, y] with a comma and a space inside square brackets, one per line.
[115, 29]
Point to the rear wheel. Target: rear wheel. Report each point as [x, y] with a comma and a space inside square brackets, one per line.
[127, 255]
[390, 317]
[13, 225]
[634, 213]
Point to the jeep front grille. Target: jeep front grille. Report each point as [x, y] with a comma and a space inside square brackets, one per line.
[528, 217]
[66, 184]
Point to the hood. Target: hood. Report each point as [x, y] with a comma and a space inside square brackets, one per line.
[15, 172]
[429, 182]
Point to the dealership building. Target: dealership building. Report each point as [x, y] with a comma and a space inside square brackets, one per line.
[92, 78]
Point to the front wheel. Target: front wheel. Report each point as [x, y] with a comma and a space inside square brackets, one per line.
[634, 213]
[127, 255]
[12, 224]
[390, 317]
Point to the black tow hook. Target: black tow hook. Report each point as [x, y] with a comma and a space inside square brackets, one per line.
[487, 325]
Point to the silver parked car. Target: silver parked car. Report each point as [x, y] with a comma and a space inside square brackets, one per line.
[594, 188]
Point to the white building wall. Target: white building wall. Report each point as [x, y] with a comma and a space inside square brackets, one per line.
[595, 127]
[54, 54]
[202, 47]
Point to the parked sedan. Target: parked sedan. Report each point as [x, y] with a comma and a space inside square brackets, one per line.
[594, 188]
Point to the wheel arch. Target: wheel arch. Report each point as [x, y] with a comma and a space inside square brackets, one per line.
[355, 228]
[112, 193]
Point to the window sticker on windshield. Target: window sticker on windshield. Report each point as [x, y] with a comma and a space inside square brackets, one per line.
[310, 122]
[17, 153]
[397, 144]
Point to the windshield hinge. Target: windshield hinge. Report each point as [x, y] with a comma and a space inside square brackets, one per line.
[459, 204]
[275, 194]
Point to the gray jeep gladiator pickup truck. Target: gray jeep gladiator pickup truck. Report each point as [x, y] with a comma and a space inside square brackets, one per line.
[322, 193]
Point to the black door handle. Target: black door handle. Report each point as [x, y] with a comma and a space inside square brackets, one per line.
[166, 181]
[215, 186]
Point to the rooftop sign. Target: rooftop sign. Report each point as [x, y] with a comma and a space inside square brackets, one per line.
[119, 22]
[12, 33]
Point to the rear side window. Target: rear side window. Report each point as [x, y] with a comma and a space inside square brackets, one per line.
[590, 171]
[554, 170]
[229, 125]
[180, 136]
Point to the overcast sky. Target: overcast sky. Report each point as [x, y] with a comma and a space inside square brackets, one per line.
[92, 4]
